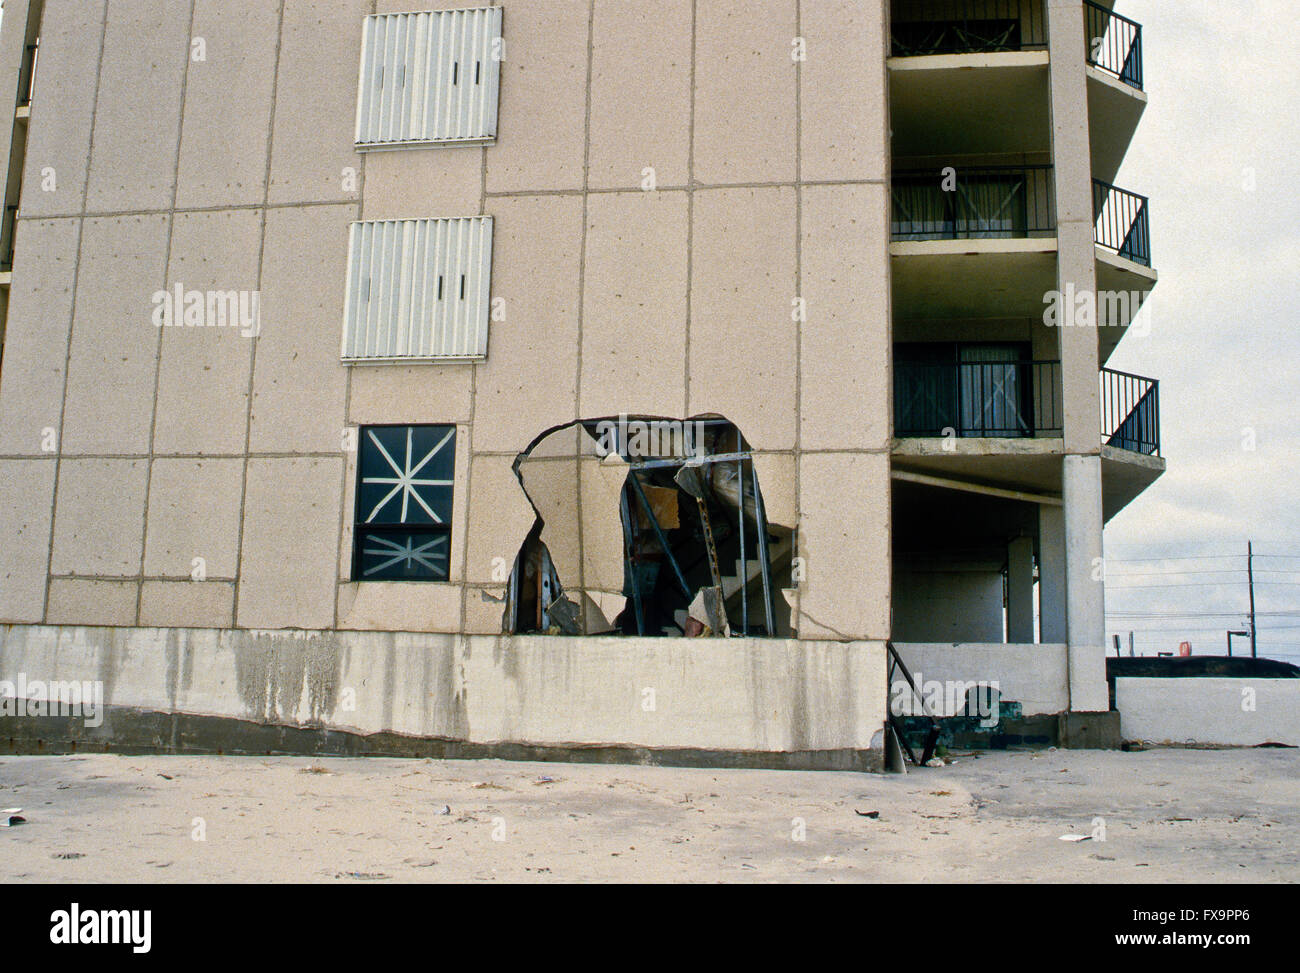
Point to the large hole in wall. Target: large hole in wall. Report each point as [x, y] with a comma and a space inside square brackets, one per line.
[648, 526]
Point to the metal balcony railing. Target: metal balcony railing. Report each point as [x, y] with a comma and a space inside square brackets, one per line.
[1114, 43]
[1130, 412]
[921, 27]
[992, 202]
[1120, 222]
[997, 399]
[27, 73]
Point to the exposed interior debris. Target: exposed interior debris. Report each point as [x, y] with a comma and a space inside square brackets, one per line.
[648, 526]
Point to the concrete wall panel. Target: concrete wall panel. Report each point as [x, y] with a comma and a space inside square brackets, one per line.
[36, 337]
[316, 100]
[529, 381]
[26, 494]
[113, 361]
[99, 517]
[203, 376]
[845, 593]
[541, 128]
[740, 695]
[194, 509]
[1231, 712]
[228, 104]
[299, 381]
[138, 114]
[743, 346]
[634, 306]
[745, 91]
[640, 93]
[845, 388]
[843, 91]
[187, 604]
[291, 524]
[58, 135]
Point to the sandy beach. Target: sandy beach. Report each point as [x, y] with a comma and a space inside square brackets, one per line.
[1153, 816]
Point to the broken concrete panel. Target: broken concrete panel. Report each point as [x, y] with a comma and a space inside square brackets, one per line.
[777, 483]
[485, 610]
[602, 525]
[499, 519]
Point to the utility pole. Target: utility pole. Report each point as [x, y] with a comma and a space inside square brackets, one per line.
[1250, 577]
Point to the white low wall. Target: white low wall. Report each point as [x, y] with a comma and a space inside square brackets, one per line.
[1222, 710]
[1036, 676]
[770, 695]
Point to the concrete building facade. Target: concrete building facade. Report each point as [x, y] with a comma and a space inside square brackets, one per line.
[331, 328]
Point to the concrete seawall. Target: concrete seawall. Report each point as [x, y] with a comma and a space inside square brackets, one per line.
[725, 702]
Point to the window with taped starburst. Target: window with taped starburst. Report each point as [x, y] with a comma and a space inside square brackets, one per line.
[405, 479]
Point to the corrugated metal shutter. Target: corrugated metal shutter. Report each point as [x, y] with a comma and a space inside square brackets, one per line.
[429, 77]
[418, 289]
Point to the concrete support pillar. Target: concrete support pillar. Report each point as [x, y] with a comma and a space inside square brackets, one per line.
[1076, 257]
[1051, 575]
[1020, 591]
[1085, 603]
[1085, 590]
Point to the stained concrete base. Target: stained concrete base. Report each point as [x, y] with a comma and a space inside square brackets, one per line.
[128, 731]
[695, 702]
[1090, 731]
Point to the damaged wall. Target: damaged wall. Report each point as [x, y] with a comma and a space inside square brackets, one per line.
[750, 282]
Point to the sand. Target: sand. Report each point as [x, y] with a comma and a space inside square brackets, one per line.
[1164, 815]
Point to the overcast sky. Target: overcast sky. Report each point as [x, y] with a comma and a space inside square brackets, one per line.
[1223, 77]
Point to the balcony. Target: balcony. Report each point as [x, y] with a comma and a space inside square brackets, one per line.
[935, 27]
[1120, 222]
[986, 203]
[1002, 399]
[1130, 412]
[1114, 43]
[977, 399]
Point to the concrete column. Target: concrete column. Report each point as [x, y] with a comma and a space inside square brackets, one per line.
[1085, 590]
[1076, 257]
[1020, 591]
[1051, 575]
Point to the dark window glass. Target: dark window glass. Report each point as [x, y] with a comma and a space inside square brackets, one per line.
[405, 478]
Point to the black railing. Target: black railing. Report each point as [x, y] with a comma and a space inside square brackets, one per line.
[1120, 222]
[920, 27]
[993, 202]
[1114, 43]
[998, 399]
[1130, 412]
[27, 74]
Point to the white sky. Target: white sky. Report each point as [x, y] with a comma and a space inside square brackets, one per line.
[1224, 83]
